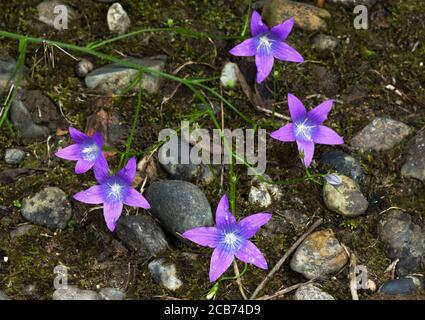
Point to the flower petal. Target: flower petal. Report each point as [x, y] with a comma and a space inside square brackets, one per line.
[319, 114]
[135, 199]
[204, 236]
[250, 225]
[77, 135]
[286, 133]
[325, 135]
[93, 195]
[285, 52]
[249, 253]
[98, 139]
[264, 64]
[283, 29]
[245, 49]
[296, 108]
[307, 148]
[129, 171]
[101, 169]
[83, 166]
[223, 216]
[111, 213]
[220, 262]
[257, 25]
[70, 153]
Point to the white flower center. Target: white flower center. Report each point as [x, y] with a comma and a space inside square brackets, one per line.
[230, 239]
[90, 152]
[266, 43]
[115, 191]
[303, 130]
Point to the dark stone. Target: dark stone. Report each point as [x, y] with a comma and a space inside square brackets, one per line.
[344, 164]
[407, 285]
[143, 234]
[179, 205]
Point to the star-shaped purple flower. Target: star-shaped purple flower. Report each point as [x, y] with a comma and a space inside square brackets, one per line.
[114, 191]
[87, 151]
[230, 239]
[306, 128]
[267, 44]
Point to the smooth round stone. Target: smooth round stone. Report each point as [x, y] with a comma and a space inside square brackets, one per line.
[407, 285]
[344, 164]
[402, 239]
[324, 43]
[142, 234]
[307, 16]
[73, 293]
[414, 166]
[345, 199]
[47, 14]
[118, 20]
[187, 171]
[83, 67]
[111, 294]
[179, 205]
[49, 208]
[319, 255]
[262, 194]
[165, 274]
[311, 292]
[381, 134]
[14, 156]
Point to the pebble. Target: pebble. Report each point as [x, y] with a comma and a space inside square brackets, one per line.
[165, 274]
[381, 134]
[115, 77]
[21, 230]
[228, 77]
[179, 205]
[346, 198]
[344, 164]
[308, 17]
[118, 20]
[83, 67]
[402, 239]
[111, 294]
[262, 193]
[324, 43]
[49, 208]
[142, 234]
[319, 255]
[7, 68]
[73, 293]
[311, 292]
[401, 286]
[189, 171]
[414, 166]
[34, 116]
[14, 156]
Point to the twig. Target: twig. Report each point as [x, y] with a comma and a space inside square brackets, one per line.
[391, 268]
[285, 256]
[238, 280]
[282, 292]
[352, 274]
[270, 112]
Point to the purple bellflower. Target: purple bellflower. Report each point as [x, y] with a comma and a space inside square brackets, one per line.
[114, 191]
[230, 239]
[267, 44]
[87, 151]
[306, 128]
